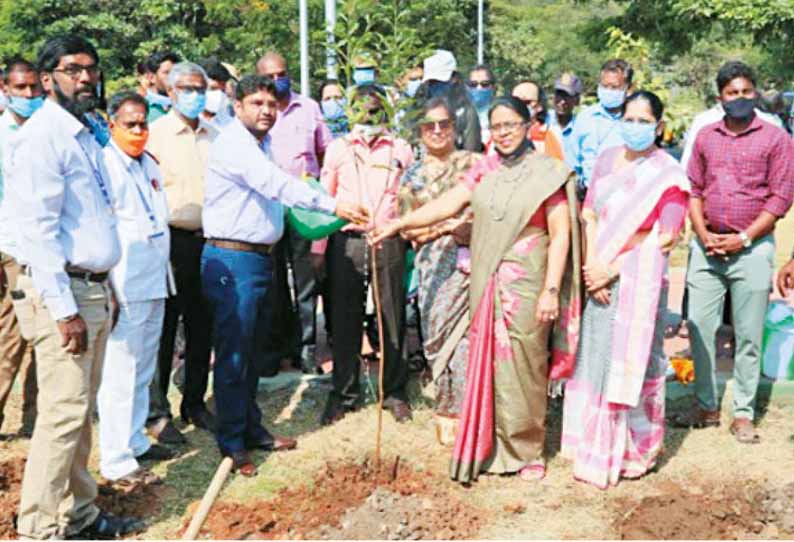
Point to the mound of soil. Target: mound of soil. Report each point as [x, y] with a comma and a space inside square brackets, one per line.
[351, 501]
[11, 472]
[741, 510]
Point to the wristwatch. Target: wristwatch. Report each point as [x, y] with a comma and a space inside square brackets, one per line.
[746, 241]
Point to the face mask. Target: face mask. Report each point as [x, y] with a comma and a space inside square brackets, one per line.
[740, 109]
[155, 98]
[129, 143]
[638, 137]
[25, 107]
[438, 88]
[369, 131]
[364, 76]
[481, 97]
[333, 109]
[98, 126]
[611, 98]
[412, 86]
[217, 102]
[283, 87]
[190, 104]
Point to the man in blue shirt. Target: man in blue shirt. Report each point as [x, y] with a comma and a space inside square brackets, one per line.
[243, 217]
[567, 91]
[597, 126]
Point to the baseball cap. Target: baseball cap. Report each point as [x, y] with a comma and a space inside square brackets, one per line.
[569, 83]
[440, 66]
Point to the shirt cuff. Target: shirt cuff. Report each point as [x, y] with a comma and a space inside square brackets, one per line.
[777, 206]
[56, 293]
[61, 307]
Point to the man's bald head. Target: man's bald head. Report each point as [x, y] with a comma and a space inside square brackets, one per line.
[272, 64]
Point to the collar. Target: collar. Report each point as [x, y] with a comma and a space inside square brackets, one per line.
[62, 117]
[178, 126]
[554, 121]
[295, 100]
[385, 138]
[755, 125]
[601, 111]
[126, 159]
[242, 133]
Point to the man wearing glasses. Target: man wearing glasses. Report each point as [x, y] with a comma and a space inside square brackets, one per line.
[482, 86]
[67, 235]
[180, 142]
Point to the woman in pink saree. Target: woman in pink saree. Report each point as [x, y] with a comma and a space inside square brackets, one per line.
[523, 296]
[613, 417]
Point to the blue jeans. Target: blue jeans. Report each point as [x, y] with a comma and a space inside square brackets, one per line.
[236, 285]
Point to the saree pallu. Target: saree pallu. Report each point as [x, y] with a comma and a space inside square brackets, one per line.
[502, 425]
[443, 285]
[613, 417]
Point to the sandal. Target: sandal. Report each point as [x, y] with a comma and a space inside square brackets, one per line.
[744, 431]
[534, 472]
[696, 418]
[138, 477]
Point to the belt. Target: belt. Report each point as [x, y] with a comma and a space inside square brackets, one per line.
[718, 232]
[88, 276]
[241, 246]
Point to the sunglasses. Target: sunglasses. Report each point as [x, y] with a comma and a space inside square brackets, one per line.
[481, 84]
[433, 125]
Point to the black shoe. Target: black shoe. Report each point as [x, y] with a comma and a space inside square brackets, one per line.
[165, 432]
[157, 452]
[334, 411]
[399, 409]
[201, 418]
[109, 527]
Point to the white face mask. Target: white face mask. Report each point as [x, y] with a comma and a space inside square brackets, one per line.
[217, 102]
[369, 131]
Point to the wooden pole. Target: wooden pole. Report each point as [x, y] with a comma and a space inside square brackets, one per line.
[209, 499]
[381, 355]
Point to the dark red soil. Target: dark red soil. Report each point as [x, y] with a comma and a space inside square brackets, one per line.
[11, 472]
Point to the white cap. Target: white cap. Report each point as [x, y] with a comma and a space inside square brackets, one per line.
[440, 66]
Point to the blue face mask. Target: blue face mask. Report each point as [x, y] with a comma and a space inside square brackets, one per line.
[481, 97]
[333, 109]
[25, 107]
[611, 98]
[438, 88]
[412, 86]
[155, 98]
[283, 87]
[638, 137]
[99, 127]
[364, 76]
[190, 103]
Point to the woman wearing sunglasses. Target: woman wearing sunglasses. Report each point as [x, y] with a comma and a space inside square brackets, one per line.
[524, 288]
[441, 259]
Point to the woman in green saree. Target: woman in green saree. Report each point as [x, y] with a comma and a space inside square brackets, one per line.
[525, 283]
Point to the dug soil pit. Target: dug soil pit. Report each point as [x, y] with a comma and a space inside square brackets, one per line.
[352, 501]
[739, 511]
[142, 501]
[11, 472]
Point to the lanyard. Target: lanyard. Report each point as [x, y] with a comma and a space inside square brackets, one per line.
[146, 205]
[97, 176]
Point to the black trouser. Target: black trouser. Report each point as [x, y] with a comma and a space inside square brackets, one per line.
[294, 333]
[347, 259]
[186, 250]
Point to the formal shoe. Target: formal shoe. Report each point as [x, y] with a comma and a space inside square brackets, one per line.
[201, 418]
[400, 410]
[157, 452]
[109, 527]
[334, 411]
[242, 463]
[165, 432]
[274, 443]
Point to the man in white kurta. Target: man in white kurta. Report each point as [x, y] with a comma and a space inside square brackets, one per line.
[140, 281]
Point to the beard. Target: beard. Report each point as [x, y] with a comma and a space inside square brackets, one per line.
[77, 106]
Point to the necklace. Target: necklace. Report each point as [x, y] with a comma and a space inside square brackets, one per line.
[513, 180]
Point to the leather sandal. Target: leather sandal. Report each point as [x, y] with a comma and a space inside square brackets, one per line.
[696, 418]
[138, 477]
[744, 431]
[242, 464]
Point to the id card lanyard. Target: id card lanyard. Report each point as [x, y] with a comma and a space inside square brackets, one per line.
[97, 177]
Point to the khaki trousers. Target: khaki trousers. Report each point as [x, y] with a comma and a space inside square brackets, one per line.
[16, 354]
[57, 491]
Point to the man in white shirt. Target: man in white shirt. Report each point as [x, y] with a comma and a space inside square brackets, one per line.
[67, 235]
[140, 283]
[24, 92]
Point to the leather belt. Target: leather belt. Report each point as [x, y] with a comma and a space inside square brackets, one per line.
[88, 276]
[241, 246]
[718, 232]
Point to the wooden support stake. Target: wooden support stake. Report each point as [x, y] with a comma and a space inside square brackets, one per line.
[381, 355]
[209, 499]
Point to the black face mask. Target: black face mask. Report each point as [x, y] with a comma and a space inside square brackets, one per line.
[740, 109]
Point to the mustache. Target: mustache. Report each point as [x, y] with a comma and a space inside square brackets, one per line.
[78, 106]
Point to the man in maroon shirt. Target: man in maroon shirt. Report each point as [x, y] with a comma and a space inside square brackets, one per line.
[741, 185]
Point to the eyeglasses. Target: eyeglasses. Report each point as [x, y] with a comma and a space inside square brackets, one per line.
[506, 127]
[188, 88]
[433, 125]
[75, 70]
[482, 84]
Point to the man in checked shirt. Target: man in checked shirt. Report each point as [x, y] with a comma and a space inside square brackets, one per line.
[742, 183]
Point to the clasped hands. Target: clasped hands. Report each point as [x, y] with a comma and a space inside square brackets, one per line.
[718, 244]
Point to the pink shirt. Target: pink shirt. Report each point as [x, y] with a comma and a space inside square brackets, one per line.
[299, 136]
[355, 172]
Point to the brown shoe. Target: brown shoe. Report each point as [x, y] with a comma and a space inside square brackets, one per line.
[744, 431]
[274, 443]
[697, 418]
[165, 432]
[242, 463]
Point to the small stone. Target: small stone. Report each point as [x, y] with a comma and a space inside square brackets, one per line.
[757, 527]
[719, 514]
